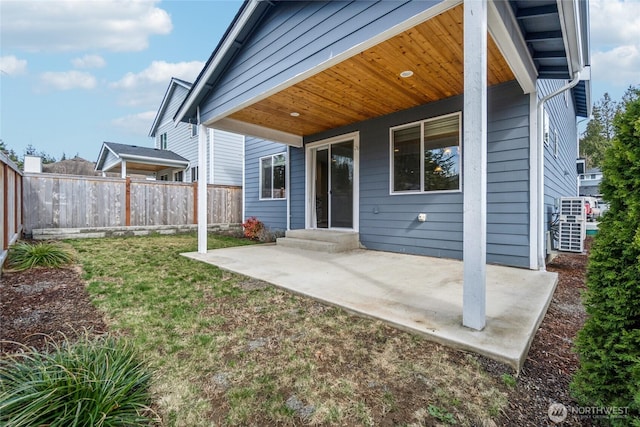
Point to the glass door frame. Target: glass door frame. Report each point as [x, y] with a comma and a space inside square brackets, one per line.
[310, 175]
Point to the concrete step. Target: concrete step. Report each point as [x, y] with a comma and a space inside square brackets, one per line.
[320, 240]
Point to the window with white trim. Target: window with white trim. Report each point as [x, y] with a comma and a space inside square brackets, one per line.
[546, 127]
[194, 130]
[163, 141]
[426, 156]
[178, 176]
[194, 174]
[272, 177]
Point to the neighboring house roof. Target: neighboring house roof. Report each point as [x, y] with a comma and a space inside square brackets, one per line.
[166, 101]
[555, 32]
[138, 158]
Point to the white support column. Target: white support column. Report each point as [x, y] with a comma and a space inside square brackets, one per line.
[202, 189]
[475, 164]
[123, 171]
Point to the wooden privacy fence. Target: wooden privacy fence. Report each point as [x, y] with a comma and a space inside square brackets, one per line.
[11, 202]
[64, 201]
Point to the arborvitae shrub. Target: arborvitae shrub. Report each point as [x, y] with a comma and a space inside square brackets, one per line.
[609, 343]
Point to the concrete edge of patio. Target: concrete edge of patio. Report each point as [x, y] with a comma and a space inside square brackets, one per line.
[373, 285]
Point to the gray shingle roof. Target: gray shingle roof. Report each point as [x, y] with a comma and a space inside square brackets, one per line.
[124, 150]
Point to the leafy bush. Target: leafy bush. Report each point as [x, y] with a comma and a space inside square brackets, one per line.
[23, 256]
[609, 343]
[252, 228]
[93, 382]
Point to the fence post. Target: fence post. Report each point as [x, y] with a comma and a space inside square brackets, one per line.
[18, 195]
[5, 225]
[195, 202]
[127, 202]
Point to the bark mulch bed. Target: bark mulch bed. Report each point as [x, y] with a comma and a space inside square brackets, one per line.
[45, 301]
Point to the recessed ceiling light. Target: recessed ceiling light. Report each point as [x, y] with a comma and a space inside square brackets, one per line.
[406, 73]
[294, 114]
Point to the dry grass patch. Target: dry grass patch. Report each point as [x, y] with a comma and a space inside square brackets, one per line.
[234, 351]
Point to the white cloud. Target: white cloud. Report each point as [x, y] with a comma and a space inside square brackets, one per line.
[89, 61]
[149, 85]
[619, 66]
[136, 124]
[76, 25]
[615, 42]
[66, 80]
[615, 22]
[12, 66]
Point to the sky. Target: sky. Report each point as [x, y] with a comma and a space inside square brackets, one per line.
[75, 73]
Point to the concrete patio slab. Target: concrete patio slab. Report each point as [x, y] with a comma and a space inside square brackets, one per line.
[415, 293]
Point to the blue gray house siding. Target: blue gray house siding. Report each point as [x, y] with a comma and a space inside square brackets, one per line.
[273, 213]
[299, 36]
[389, 222]
[560, 175]
[227, 158]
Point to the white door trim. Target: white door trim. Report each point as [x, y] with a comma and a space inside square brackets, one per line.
[310, 173]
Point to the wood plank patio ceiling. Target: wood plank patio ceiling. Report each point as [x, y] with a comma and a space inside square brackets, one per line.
[369, 85]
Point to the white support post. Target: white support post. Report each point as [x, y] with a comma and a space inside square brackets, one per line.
[123, 169]
[202, 188]
[475, 164]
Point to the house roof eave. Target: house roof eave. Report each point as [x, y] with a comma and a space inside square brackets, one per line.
[103, 155]
[248, 16]
[165, 102]
[155, 160]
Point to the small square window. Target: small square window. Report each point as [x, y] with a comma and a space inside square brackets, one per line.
[178, 176]
[194, 130]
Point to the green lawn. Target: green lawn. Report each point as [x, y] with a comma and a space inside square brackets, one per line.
[234, 351]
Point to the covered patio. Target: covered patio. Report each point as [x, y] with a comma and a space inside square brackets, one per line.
[419, 294]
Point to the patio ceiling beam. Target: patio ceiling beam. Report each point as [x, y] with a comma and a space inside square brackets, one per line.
[475, 165]
[244, 128]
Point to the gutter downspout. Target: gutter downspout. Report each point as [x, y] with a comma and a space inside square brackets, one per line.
[541, 217]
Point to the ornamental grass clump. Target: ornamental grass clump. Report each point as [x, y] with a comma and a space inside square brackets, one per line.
[23, 256]
[91, 382]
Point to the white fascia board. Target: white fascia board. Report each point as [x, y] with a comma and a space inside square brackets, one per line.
[334, 60]
[243, 128]
[103, 153]
[571, 31]
[503, 27]
[202, 83]
[161, 110]
[155, 161]
[100, 155]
